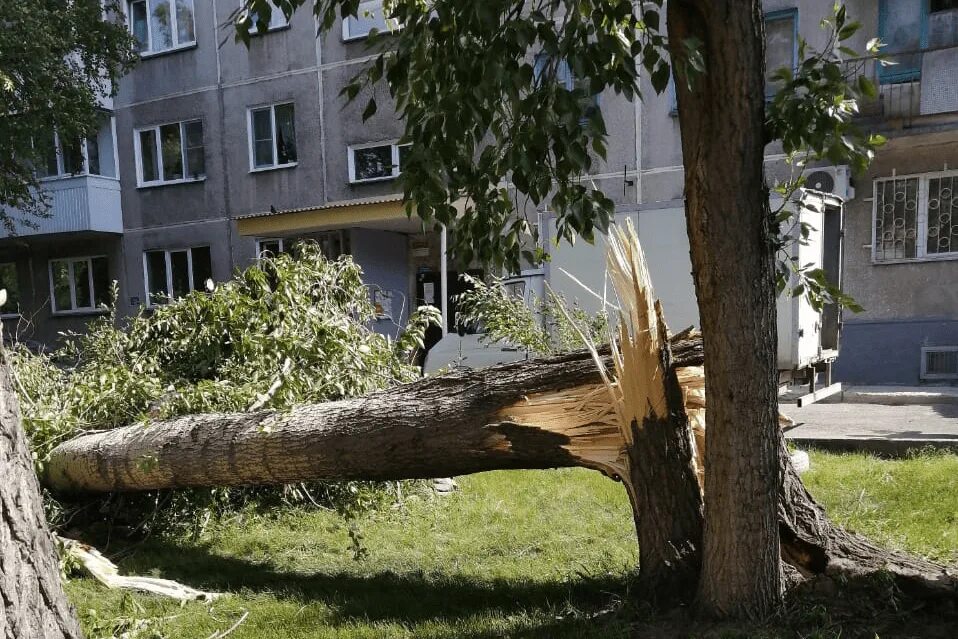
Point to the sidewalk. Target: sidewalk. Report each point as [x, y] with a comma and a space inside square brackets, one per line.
[876, 428]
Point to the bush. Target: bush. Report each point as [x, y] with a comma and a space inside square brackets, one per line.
[285, 331]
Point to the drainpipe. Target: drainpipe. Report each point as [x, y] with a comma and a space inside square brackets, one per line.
[444, 281]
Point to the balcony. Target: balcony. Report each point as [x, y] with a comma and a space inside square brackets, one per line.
[921, 90]
[77, 203]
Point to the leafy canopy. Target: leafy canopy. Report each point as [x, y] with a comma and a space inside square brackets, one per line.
[57, 61]
[476, 84]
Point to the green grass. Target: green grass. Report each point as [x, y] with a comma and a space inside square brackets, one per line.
[522, 553]
[910, 504]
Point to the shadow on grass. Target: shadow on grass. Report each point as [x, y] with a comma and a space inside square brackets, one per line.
[461, 607]
[586, 606]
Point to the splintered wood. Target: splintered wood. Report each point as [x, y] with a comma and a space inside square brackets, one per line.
[598, 418]
[584, 415]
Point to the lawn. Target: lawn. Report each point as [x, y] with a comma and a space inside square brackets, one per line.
[519, 553]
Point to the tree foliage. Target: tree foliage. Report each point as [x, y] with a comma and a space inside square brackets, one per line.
[544, 326]
[58, 60]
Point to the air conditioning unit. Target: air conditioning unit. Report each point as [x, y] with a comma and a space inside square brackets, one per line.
[831, 179]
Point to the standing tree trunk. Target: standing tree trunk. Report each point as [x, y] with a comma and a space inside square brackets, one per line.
[34, 605]
[722, 122]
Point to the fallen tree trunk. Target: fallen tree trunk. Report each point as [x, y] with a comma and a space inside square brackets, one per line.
[461, 423]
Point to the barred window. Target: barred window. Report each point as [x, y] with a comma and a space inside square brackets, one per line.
[916, 217]
[943, 215]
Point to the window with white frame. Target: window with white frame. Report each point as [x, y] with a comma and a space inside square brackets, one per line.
[170, 153]
[79, 283]
[161, 25]
[781, 45]
[277, 20]
[333, 244]
[916, 217]
[272, 136]
[171, 274]
[11, 284]
[375, 162]
[271, 246]
[368, 16]
[59, 157]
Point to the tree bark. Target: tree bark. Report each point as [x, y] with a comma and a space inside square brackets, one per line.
[721, 118]
[34, 605]
[667, 498]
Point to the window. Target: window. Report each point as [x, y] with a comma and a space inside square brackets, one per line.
[916, 217]
[333, 244]
[170, 153]
[61, 158]
[161, 25]
[369, 16]
[568, 80]
[272, 246]
[939, 362]
[11, 284]
[172, 274]
[375, 162]
[277, 20]
[79, 284]
[272, 136]
[781, 43]
[903, 28]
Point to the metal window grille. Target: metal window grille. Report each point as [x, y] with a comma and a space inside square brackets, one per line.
[943, 215]
[896, 219]
[916, 217]
[940, 362]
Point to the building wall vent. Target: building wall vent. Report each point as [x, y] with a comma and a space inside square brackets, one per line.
[939, 362]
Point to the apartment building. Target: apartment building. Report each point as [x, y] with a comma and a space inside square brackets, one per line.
[212, 152]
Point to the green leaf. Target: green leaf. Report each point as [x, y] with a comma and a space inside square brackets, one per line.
[849, 30]
[370, 109]
[660, 78]
[867, 87]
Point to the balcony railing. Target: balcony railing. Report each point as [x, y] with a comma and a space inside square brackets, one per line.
[921, 83]
[77, 203]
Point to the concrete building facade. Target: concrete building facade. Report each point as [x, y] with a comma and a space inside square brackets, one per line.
[212, 151]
